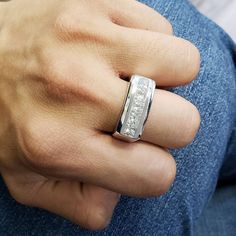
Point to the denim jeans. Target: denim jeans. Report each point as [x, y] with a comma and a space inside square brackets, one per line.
[198, 165]
[219, 218]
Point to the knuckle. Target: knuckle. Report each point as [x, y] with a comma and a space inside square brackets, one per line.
[150, 45]
[63, 83]
[61, 22]
[93, 218]
[97, 219]
[18, 192]
[169, 173]
[66, 27]
[161, 174]
[20, 198]
[192, 122]
[168, 28]
[159, 23]
[192, 62]
[187, 59]
[38, 144]
[165, 175]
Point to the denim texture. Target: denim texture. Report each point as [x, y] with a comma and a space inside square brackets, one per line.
[198, 165]
[219, 218]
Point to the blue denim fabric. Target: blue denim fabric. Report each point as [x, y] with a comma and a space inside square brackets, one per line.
[214, 93]
[219, 218]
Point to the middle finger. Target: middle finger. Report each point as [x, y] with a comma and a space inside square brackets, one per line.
[169, 60]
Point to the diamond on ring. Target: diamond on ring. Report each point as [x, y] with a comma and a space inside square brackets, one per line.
[136, 109]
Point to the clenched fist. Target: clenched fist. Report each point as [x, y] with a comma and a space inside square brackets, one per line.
[64, 66]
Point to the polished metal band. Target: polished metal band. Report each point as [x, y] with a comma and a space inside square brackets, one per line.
[136, 109]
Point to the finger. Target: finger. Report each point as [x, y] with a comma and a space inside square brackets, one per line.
[64, 151]
[173, 121]
[124, 163]
[134, 14]
[169, 60]
[87, 205]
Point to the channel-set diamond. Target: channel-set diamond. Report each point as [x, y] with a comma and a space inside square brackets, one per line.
[137, 109]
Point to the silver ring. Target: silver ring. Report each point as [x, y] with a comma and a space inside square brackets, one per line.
[136, 109]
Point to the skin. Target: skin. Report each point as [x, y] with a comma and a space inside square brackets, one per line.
[63, 71]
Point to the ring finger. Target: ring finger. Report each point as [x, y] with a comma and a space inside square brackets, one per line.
[172, 122]
[169, 60]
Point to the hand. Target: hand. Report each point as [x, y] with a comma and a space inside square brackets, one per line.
[62, 87]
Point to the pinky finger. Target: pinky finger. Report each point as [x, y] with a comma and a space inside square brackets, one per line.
[89, 206]
[86, 205]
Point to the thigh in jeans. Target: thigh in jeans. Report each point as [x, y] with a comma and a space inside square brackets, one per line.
[214, 93]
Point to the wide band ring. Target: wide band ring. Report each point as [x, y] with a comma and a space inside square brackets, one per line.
[136, 109]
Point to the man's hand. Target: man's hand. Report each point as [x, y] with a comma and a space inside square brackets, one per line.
[62, 87]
